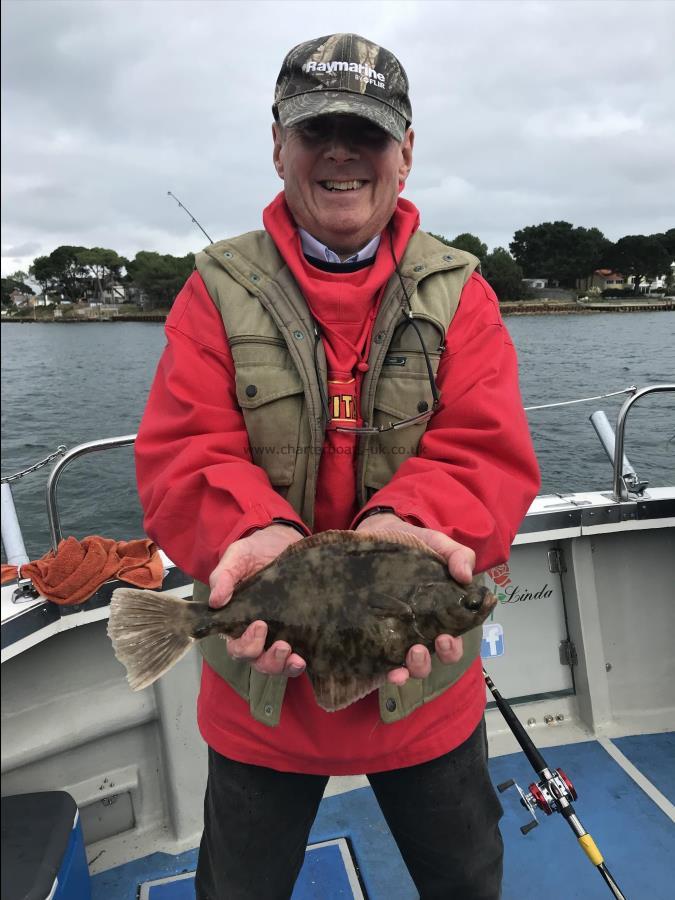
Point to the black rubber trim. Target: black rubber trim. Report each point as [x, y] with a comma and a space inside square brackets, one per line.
[550, 521]
[656, 509]
[598, 515]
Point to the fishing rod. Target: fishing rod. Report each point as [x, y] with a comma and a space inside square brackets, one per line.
[189, 214]
[553, 792]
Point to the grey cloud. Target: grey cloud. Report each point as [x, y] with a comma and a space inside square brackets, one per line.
[21, 250]
[523, 112]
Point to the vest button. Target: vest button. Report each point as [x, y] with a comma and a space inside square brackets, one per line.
[448, 257]
[269, 709]
[251, 390]
[422, 406]
[298, 335]
[391, 704]
[418, 268]
[255, 277]
[227, 254]
[379, 337]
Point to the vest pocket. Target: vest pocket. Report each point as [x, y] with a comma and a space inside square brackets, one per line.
[403, 391]
[272, 401]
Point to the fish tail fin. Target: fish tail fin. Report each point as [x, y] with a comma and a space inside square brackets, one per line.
[150, 632]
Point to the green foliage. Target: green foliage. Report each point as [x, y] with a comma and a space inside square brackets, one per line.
[160, 277]
[60, 273]
[465, 241]
[471, 244]
[103, 266]
[504, 275]
[439, 237]
[559, 251]
[667, 239]
[641, 255]
[14, 282]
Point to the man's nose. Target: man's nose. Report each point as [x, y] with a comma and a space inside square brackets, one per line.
[340, 149]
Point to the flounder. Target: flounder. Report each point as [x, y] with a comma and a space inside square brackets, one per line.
[351, 604]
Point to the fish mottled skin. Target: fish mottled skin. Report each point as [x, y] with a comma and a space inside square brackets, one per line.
[350, 604]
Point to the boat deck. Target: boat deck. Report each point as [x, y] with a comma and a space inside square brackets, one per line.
[626, 789]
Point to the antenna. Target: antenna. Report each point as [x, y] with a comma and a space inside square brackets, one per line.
[189, 214]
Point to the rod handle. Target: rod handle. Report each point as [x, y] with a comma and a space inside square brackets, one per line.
[589, 847]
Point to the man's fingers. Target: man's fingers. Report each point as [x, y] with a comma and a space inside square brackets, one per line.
[398, 676]
[295, 665]
[279, 660]
[449, 649]
[461, 561]
[417, 665]
[418, 661]
[225, 576]
[251, 644]
[222, 590]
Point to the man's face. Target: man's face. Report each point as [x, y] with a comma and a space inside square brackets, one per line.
[341, 177]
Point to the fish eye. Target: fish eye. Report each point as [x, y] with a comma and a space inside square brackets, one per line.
[473, 604]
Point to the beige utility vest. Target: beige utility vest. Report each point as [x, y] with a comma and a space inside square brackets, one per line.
[278, 365]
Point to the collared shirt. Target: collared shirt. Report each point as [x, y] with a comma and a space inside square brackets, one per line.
[314, 248]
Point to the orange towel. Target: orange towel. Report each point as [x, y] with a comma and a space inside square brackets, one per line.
[78, 568]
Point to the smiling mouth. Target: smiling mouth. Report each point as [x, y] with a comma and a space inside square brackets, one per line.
[342, 185]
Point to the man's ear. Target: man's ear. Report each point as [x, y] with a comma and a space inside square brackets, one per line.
[406, 155]
[277, 136]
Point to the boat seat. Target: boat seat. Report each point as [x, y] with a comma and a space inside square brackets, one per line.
[43, 855]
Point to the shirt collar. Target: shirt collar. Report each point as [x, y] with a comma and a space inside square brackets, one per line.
[312, 247]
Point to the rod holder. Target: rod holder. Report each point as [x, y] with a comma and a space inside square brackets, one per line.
[605, 432]
[12, 539]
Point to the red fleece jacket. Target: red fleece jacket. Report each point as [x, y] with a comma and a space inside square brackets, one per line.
[474, 478]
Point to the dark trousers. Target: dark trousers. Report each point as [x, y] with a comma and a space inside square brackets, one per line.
[442, 814]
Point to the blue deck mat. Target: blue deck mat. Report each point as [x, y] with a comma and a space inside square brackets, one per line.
[654, 756]
[323, 877]
[636, 838]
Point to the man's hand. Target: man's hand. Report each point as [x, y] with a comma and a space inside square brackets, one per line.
[460, 560]
[243, 558]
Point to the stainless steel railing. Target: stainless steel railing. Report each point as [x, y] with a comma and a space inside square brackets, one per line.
[57, 471]
[620, 487]
[625, 481]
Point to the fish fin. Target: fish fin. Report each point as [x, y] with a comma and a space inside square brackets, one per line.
[387, 605]
[150, 632]
[358, 538]
[333, 693]
[394, 536]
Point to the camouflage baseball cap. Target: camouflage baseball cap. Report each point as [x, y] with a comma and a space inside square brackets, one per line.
[343, 73]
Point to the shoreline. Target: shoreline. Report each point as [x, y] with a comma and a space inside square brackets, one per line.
[507, 308]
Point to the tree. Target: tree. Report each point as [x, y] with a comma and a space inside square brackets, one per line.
[471, 244]
[642, 256]
[14, 282]
[104, 266]
[559, 251]
[667, 238]
[465, 241]
[60, 272]
[504, 274]
[160, 277]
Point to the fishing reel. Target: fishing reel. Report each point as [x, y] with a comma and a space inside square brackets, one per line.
[552, 794]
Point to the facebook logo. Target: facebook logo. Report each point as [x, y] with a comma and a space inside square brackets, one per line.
[493, 641]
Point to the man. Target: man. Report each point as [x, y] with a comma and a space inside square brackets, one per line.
[291, 352]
